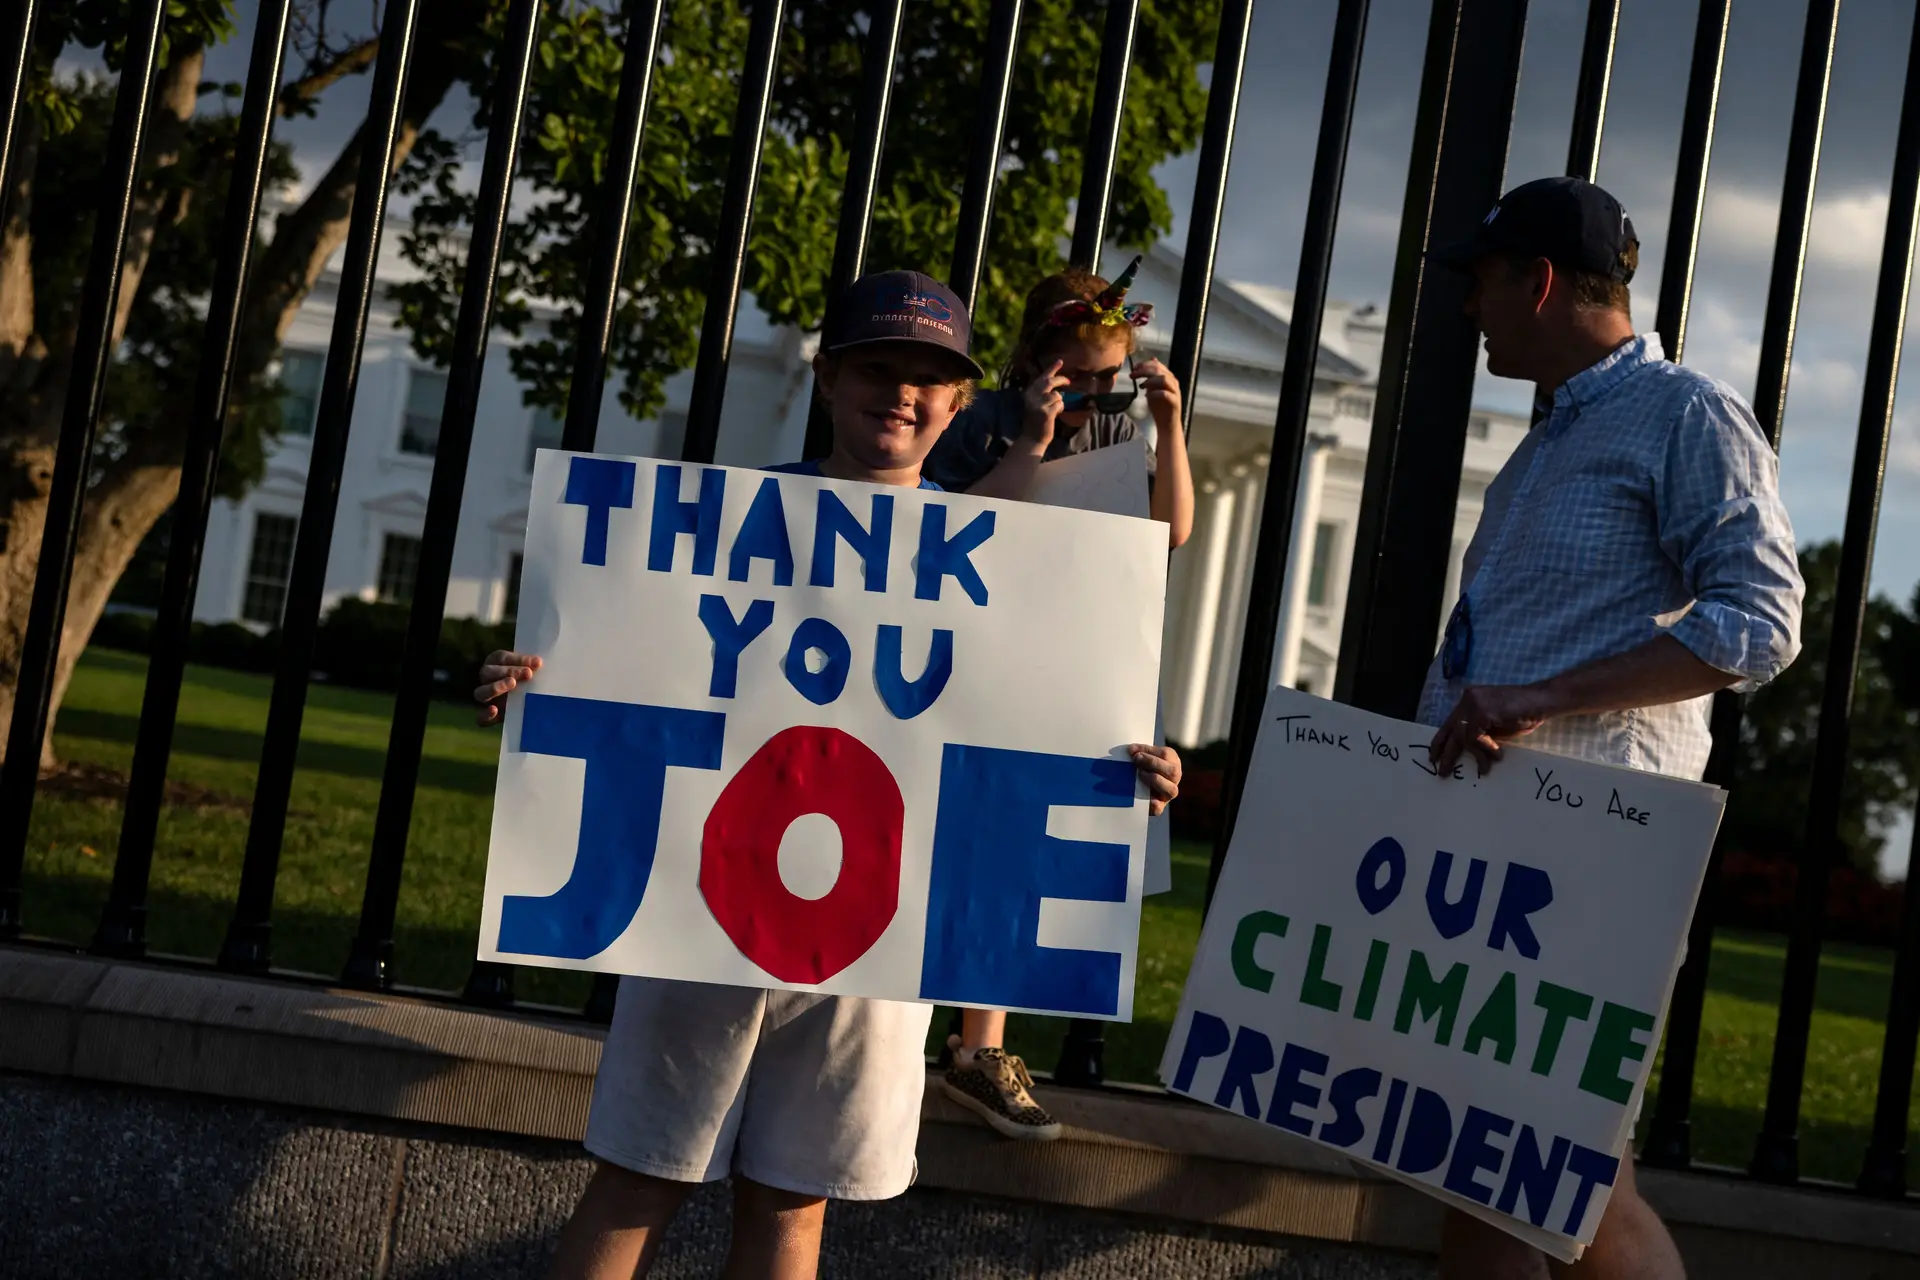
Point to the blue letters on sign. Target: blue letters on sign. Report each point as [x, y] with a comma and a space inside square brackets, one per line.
[941, 556]
[763, 536]
[908, 698]
[993, 862]
[832, 520]
[628, 748]
[822, 686]
[599, 485]
[730, 637]
[672, 517]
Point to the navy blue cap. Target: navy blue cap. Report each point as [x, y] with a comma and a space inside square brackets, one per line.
[1568, 221]
[901, 306]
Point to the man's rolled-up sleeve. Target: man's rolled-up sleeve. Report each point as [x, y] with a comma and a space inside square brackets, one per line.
[1722, 522]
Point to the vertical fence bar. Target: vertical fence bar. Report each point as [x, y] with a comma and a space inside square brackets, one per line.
[15, 71]
[1103, 133]
[247, 944]
[1669, 1142]
[863, 182]
[983, 149]
[80, 415]
[1083, 1050]
[1209, 200]
[1405, 529]
[370, 963]
[123, 922]
[736, 222]
[1590, 93]
[1272, 547]
[1690, 177]
[1884, 1172]
[614, 221]
[1776, 1156]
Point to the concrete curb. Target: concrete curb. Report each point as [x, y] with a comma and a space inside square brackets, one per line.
[1130, 1151]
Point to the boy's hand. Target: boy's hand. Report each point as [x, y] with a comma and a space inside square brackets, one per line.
[1163, 393]
[1041, 405]
[1160, 769]
[500, 675]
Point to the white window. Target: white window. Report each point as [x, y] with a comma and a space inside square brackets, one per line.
[426, 400]
[399, 568]
[269, 564]
[511, 609]
[300, 390]
[547, 428]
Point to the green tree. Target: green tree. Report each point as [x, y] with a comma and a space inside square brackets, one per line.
[43, 244]
[1767, 809]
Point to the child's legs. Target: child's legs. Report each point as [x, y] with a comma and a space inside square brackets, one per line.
[983, 1029]
[615, 1230]
[776, 1234]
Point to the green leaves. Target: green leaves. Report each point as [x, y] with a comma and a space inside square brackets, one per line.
[689, 124]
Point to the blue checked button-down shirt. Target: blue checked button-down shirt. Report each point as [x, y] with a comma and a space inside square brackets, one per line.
[1645, 503]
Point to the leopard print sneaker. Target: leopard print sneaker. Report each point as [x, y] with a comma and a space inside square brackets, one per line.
[996, 1086]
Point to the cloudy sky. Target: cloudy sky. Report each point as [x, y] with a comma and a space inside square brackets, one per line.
[1267, 197]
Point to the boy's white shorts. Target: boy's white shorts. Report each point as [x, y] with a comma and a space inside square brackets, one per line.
[814, 1094]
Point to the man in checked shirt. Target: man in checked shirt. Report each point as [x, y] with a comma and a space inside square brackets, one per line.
[1632, 560]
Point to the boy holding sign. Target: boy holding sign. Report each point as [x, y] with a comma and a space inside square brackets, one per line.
[797, 1096]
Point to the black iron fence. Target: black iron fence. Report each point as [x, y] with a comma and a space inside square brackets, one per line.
[1414, 460]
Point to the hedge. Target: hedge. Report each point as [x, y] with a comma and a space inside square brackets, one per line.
[358, 644]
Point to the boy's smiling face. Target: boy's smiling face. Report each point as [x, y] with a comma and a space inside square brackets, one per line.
[889, 400]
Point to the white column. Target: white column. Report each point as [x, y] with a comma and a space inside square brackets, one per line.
[1249, 483]
[1214, 518]
[1306, 531]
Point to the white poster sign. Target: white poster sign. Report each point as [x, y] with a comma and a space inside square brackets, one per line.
[807, 734]
[1458, 981]
[1113, 480]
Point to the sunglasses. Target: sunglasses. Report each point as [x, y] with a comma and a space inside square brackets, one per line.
[1102, 401]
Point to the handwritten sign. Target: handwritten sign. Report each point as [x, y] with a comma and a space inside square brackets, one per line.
[814, 735]
[1458, 981]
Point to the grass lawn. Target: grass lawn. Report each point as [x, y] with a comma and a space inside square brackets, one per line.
[323, 870]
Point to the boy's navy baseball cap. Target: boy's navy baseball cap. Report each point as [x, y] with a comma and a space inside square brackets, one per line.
[1568, 221]
[902, 306]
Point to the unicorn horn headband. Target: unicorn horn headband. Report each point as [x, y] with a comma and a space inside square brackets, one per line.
[1110, 308]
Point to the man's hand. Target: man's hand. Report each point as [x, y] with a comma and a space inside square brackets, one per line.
[1486, 716]
[1160, 769]
[1040, 406]
[500, 675]
[1163, 394]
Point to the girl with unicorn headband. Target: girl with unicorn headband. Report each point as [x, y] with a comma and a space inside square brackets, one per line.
[1072, 385]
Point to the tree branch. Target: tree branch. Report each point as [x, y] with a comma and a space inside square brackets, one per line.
[17, 341]
[297, 96]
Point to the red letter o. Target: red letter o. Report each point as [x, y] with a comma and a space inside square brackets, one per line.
[806, 769]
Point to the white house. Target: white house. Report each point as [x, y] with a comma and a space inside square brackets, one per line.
[383, 490]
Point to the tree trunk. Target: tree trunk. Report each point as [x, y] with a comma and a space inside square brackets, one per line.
[130, 494]
[118, 514]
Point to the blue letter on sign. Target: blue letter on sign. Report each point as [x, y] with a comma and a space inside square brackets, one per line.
[672, 517]
[832, 521]
[599, 485]
[941, 556]
[628, 748]
[763, 536]
[992, 863]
